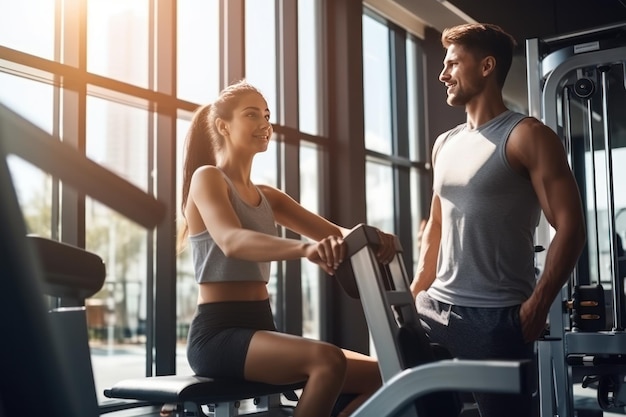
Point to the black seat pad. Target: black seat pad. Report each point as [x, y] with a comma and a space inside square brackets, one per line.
[180, 388]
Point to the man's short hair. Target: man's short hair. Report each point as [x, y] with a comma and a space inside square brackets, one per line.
[483, 39]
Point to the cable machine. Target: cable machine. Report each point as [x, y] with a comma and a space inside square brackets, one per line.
[577, 86]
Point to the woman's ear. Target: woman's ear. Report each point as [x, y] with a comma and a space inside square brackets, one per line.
[222, 127]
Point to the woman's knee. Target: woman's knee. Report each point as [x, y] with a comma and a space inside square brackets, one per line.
[331, 358]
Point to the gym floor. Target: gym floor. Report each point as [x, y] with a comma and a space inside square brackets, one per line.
[585, 399]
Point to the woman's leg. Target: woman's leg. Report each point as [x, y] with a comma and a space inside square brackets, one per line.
[279, 358]
[362, 378]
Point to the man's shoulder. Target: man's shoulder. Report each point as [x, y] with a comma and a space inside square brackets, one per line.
[442, 138]
[529, 125]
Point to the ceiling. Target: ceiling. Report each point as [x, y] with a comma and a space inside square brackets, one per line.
[523, 19]
[526, 19]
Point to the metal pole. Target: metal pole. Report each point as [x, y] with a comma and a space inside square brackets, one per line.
[593, 183]
[617, 285]
[567, 123]
[533, 64]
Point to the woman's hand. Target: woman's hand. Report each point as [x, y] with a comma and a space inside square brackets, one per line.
[328, 253]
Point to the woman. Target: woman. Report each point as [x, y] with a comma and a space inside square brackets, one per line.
[231, 226]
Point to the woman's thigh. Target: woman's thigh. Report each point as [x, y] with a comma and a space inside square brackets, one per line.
[279, 358]
[363, 373]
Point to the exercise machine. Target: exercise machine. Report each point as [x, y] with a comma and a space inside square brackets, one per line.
[70, 276]
[419, 378]
[29, 348]
[576, 85]
[44, 358]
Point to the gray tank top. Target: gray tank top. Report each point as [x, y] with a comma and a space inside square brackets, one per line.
[210, 263]
[489, 215]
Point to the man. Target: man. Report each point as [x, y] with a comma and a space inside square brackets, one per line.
[475, 283]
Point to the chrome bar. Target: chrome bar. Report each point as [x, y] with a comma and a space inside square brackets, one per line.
[594, 186]
[618, 292]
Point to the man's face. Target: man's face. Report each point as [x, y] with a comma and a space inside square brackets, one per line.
[462, 75]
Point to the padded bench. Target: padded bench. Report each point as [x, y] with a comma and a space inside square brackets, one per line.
[186, 395]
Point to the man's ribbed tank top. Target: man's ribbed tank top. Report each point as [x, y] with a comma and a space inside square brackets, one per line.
[489, 215]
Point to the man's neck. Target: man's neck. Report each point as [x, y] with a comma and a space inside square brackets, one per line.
[484, 108]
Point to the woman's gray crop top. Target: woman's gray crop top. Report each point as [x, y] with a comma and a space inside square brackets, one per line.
[210, 263]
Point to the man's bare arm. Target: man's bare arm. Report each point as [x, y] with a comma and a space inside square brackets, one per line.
[429, 251]
[540, 151]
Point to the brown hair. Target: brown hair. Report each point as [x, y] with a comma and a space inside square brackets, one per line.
[203, 139]
[483, 40]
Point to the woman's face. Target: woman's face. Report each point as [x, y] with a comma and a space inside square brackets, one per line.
[250, 126]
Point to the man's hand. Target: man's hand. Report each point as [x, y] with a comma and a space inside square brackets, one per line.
[533, 321]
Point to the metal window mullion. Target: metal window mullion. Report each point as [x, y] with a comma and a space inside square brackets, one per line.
[287, 82]
[165, 151]
[400, 140]
[73, 105]
[232, 47]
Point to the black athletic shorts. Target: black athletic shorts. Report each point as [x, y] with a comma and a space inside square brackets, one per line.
[220, 333]
[481, 333]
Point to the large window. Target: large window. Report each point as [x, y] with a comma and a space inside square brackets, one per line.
[117, 40]
[394, 136]
[377, 83]
[19, 21]
[260, 50]
[118, 81]
[308, 67]
[197, 47]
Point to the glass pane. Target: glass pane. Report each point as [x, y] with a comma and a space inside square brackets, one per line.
[22, 24]
[186, 287]
[117, 137]
[418, 219]
[309, 198]
[34, 102]
[379, 195]
[116, 315]
[260, 48]
[413, 74]
[118, 40]
[308, 67]
[198, 56]
[34, 193]
[376, 82]
[30, 99]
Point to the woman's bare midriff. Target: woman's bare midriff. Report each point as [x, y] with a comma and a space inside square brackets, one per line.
[212, 292]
